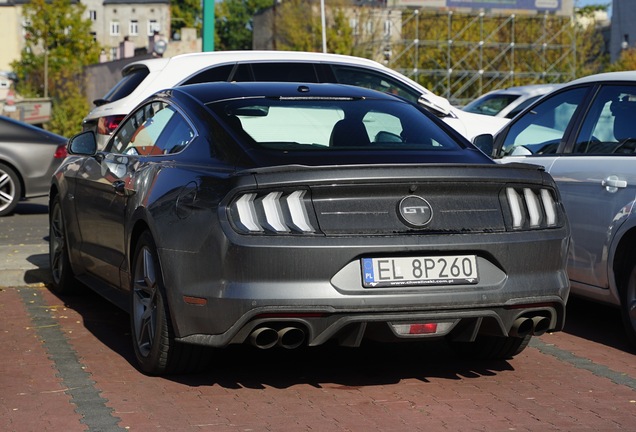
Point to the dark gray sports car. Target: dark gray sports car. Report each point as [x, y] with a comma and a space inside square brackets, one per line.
[282, 214]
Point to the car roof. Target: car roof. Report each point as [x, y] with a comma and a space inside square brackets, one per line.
[528, 90]
[607, 76]
[216, 91]
[202, 59]
[182, 66]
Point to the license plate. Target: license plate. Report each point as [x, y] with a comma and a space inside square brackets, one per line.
[426, 271]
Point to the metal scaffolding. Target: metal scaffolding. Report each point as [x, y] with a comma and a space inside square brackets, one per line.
[461, 56]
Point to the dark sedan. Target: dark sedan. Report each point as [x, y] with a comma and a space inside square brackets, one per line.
[28, 158]
[288, 215]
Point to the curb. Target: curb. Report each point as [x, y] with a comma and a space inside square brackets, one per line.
[24, 264]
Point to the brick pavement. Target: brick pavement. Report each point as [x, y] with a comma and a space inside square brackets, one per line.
[67, 364]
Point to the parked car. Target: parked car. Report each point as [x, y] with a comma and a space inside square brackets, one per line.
[28, 158]
[293, 214]
[584, 134]
[509, 102]
[142, 78]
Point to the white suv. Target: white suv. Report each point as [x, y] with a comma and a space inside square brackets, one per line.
[142, 78]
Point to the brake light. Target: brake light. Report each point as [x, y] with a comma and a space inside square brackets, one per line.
[531, 209]
[106, 125]
[60, 152]
[272, 212]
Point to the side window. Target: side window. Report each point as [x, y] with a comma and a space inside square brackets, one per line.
[213, 74]
[363, 78]
[289, 72]
[610, 125]
[154, 129]
[540, 130]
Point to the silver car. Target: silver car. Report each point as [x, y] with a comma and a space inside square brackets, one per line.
[584, 134]
[28, 158]
[510, 101]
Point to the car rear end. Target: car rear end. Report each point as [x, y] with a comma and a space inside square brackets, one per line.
[383, 253]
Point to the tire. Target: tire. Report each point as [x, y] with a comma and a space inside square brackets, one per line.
[628, 305]
[156, 350]
[492, 347]
[62, 274]
[10, 190]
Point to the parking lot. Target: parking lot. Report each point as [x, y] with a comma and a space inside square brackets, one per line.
[68, 364]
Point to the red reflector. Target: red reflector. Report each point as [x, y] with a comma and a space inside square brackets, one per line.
[60, 152]
[423, 328]
[197, 301]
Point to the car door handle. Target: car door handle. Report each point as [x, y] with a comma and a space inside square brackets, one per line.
[612, 183]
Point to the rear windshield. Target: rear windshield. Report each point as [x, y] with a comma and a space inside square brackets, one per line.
[127, 84]
[327, 124]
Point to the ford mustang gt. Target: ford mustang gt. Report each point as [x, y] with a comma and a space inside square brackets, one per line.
[291, 214]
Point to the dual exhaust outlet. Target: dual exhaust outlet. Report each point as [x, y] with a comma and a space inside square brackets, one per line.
[287, 337]
[535, 326]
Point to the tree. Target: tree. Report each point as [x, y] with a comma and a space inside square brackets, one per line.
[626, 62]
[58, 44]
[186, 13]
[233, 22]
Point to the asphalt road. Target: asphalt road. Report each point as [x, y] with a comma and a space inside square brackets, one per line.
[67, 364]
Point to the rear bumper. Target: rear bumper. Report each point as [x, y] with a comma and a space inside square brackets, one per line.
[316, 284]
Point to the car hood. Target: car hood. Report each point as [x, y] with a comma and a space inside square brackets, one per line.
[470, 125]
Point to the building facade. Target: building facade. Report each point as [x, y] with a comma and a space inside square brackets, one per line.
[114, 22]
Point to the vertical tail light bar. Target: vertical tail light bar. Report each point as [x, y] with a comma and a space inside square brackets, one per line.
[298, 212]
[247, 213]
[514, 201]
[273, 212]
[534, 210]
[549, 206]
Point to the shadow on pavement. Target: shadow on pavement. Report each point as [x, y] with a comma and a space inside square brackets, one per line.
[31, 207]
[596, 322]
[331, 365]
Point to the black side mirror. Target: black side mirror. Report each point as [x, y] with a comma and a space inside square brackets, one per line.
[84, 144]
[485, 143]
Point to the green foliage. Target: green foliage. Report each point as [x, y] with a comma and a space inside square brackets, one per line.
[233, 23]
[626, 62]
[186, 13]
[58, 45]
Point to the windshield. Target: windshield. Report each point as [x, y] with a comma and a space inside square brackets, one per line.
[491, 104]
[332, 124]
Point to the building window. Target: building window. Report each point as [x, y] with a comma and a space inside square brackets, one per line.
[114, 28]
[369, 27]
[388, 26]
[153, 26]
[114, 53]
[94, 36]
[92, 15]
[353, 23]
[133, 28]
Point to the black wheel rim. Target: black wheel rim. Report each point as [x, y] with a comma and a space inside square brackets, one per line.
[145, 302]
[57, 243]
[630, 302]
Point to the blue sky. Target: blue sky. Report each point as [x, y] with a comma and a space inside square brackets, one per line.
[595, 2]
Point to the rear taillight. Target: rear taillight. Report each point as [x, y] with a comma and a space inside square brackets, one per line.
[106, 125]
[531, 208]
[60, 152]
[272, 212]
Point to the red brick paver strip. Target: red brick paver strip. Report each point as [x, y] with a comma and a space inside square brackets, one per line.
[551, 386]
